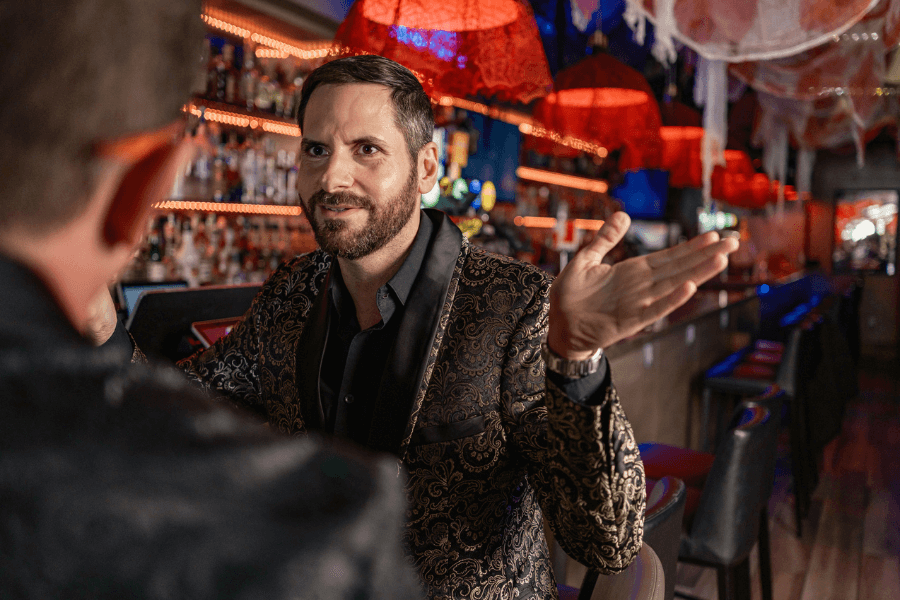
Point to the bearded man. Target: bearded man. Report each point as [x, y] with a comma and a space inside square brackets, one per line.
[401, 336]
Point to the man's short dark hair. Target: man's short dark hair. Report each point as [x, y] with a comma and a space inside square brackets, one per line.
[412, 108]
[74, 72]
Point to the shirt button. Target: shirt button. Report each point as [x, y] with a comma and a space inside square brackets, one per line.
[348, 399]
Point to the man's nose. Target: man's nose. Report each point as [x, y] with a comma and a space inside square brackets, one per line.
[338, 173]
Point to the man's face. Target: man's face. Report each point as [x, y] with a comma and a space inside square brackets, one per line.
[358, 185]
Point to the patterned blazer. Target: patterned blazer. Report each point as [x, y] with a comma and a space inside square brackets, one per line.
[487, 446]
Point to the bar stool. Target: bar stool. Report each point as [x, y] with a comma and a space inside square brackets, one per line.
[662, 532]
[726, 501]
[642, 580]
[752, 371]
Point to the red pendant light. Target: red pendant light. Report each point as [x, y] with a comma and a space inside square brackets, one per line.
[607, 102]
[463, 48]
[682, 155]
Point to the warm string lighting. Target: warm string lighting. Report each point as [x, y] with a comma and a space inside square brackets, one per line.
[231, 208]
[238, 120]
[550, 223]
[224, 21]
[569, 181]
[225, 26]
[852, 91]
[270, 53]
[525, 124]
[315, 50]
[857, 37]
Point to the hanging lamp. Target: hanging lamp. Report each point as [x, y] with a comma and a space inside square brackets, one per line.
[488, 48]
[605, 101]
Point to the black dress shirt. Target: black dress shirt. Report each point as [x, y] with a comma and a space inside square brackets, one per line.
[354, 359]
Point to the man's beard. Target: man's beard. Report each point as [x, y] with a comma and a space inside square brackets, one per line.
[382, 225]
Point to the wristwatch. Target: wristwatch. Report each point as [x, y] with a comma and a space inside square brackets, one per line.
[572, 369]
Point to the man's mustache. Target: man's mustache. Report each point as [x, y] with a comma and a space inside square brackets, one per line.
[345, 199]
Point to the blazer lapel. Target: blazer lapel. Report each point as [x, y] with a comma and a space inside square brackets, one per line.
[310, 351]
[402, 386]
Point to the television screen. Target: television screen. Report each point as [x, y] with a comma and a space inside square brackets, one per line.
[644, 193]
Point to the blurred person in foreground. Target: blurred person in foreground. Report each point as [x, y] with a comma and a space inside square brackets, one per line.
[488, 385]
[118, 480]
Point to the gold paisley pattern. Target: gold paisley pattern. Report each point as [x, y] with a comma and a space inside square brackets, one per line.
[476, 499]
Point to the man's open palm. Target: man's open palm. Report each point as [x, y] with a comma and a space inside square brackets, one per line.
[594, 305]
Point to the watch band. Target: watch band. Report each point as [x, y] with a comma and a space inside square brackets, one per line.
[572, 369]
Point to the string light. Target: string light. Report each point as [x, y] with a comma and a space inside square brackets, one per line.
[231, 208]
[227, 22]
[856, 37]
[225, 26]
[569, 181]
[550, 223]
[853, 91]
[238, 120]
[315, 51]
[270, 53]
[525, 124]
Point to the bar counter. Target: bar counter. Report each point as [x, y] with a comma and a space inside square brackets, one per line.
[658, 372]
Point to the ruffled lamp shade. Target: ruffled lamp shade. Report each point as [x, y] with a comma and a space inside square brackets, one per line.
[489, 48]
[682, 155]
[603, 100]
[682, 145]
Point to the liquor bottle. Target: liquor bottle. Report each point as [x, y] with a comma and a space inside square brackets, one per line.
[199, 86]
[231, 74]
[156, 270]
[265, 91]
[249, 75]
[218, 77]
[291, 180]
[187, 257]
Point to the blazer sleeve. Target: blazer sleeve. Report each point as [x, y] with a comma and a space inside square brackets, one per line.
[229, 369]
[583, 461]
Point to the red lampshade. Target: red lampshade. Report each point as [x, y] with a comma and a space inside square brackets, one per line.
[463, 48]
[682, 155]
[738, 161]
[760, 190]
[605, 101]
[675, 113]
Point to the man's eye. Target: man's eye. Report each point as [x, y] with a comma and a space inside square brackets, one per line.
[368, 149]
[315, 151]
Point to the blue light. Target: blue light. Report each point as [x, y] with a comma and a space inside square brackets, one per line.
[475, 186]
[442, 44]
[763, 289]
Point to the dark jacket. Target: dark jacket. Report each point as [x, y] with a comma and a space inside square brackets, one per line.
[463, 404]
[121, 481]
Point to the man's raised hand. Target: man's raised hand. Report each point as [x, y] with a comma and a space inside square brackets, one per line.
[594, 305]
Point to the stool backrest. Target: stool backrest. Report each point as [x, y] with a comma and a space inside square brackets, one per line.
[726, 523]
[662, 525]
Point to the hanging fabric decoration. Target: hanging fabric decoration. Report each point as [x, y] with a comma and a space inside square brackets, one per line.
[775, 160]
[828, 122]
[711, 92]
[490, 48]
[741, 30]
[806, 161]
[848, 70]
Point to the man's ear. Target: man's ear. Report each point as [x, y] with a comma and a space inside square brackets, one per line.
[148, 181]
[428, 167]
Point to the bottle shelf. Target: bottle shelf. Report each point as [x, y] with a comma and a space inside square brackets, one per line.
[235, 116]
[208, 206]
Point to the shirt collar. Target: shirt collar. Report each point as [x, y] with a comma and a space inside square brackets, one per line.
[402, 281]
